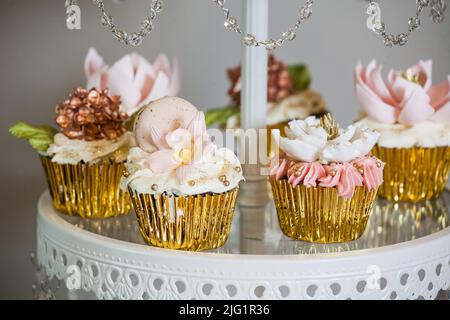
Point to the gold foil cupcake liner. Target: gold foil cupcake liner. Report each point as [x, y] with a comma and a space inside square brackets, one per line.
[413, 174]
[320, 215]
[87, 190]
[193, 223]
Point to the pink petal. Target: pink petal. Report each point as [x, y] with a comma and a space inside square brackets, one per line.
[201, 148]
[158, 138]
[402, 89]
[425, 68]
[374, 107]
[175, 82]
[98, 80]
[440, 93]
[160, 88]
[376, 83]
[415, 109]
[143, 75]
[93, 63]
[359, 73]
[162, 161]
[162, 64]
[197, 127]
[179, 139]
[145, 85]
[140, 63]
[443, 114]
[121, 82]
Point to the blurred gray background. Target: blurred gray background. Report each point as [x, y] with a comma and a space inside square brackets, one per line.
[41, 62]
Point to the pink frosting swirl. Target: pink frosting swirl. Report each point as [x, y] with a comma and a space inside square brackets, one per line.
[372, 170]
[307, 173]
[315, 172]
[297, 173]
[279, 168]
[345, 177]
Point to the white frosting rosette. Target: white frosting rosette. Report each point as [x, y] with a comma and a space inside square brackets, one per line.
[308, 141]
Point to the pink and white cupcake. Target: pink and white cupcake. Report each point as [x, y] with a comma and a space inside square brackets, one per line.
[183, 187]
[325, 181]
[413, 118]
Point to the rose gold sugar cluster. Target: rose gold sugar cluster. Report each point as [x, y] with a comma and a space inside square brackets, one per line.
[91, 115]
[280, 84]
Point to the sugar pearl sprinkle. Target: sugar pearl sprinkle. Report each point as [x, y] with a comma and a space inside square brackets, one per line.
[191, 183]
[155, 187]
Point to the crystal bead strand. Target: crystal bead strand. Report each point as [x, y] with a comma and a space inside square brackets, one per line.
[134, 38]
[374, 23]
[231, 24]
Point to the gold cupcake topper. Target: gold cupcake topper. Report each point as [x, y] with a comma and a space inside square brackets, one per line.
[330, 125]
[412, 77]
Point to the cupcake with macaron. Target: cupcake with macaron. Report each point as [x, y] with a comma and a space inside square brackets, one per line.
[183, 187]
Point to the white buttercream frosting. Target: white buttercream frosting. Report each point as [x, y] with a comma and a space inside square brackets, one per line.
[71, 151]
[297, 106]
[426, 134]
[204, 177]
[307, 141]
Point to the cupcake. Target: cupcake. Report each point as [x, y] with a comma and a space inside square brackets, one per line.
[413, 118]
[84, 161]
[288, 95]
[183, 187]
[325, 181]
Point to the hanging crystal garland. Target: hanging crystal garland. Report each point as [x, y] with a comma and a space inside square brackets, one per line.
[374, 22]
[134, 38]
[231, 24]
[73, 15]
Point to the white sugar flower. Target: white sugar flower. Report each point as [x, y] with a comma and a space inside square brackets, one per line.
[308, 141]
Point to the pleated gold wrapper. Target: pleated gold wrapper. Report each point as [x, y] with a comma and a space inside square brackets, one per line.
[192, 223]
[319, 214]
[87, 190]
[413, 174]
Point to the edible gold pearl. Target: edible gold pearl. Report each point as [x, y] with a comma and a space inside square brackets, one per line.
[360, 170]
[332, 173]
[226, 183]
[379, 164]
[191, 183]
[125, 173]
[238, 169]
[154, 187]
[223, 178]
[298, 173]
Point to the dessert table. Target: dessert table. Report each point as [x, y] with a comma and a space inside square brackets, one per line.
[404, 254]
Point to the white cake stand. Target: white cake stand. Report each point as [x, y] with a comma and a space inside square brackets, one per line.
[404, 254]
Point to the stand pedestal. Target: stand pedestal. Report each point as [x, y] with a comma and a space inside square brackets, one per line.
[254, 101]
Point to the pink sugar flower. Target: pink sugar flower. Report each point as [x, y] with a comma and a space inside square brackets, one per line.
[405, 97]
